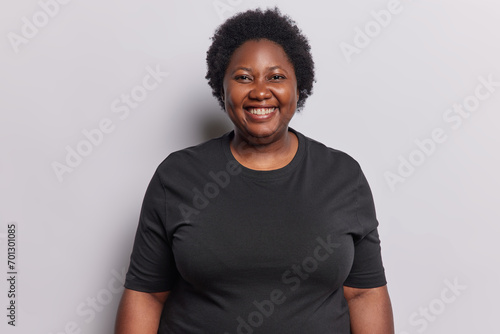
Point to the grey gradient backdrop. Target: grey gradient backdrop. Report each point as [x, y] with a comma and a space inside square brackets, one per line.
[66, 75]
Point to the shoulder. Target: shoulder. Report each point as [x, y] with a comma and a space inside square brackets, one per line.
[323, 155]
[193, 157]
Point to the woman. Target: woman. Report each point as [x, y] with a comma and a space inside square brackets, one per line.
[262, 230]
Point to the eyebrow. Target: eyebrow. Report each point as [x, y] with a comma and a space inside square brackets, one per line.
[241, 68]
[270, 68]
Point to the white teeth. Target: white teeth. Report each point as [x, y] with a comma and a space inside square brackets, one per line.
[261, 111]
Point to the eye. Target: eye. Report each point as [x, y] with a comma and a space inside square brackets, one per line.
[243, 77]
[277, 77]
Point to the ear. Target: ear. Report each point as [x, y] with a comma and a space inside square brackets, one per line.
[298, 95]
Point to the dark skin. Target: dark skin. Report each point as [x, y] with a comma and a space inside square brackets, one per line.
[139, 312]
[260, 95]
[260, 75]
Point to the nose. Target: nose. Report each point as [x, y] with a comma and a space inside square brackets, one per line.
[260, 91]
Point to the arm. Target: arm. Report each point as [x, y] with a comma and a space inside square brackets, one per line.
[370, 310]
[139, 312]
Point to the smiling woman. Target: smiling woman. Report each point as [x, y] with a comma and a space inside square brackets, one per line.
[282, 234]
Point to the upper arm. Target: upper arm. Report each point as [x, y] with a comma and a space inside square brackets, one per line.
[152, 265]
[140, 312]
[367, 270]
[370, 310]
[351, 293]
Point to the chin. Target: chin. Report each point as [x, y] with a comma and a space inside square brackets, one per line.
[264, 133]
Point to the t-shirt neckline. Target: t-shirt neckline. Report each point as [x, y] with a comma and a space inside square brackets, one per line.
[266, 174]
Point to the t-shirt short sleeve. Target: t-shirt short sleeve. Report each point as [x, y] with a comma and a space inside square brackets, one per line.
[152, 266]
[367, 270]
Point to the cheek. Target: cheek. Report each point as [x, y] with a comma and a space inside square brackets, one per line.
[232, 100]
[233, 103]
[234, 95]
[231, 93]
[287, 95]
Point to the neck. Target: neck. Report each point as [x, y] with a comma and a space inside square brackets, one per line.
[255, 153]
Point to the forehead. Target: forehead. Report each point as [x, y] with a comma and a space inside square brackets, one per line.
[260, 53]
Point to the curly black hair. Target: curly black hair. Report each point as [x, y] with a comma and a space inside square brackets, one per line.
[254, 25]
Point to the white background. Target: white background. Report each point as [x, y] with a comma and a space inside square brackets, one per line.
[75, 236]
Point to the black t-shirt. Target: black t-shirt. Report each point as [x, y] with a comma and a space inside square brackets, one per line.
[247, 251]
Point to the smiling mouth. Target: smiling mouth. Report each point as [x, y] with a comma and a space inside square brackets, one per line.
[261, 111]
